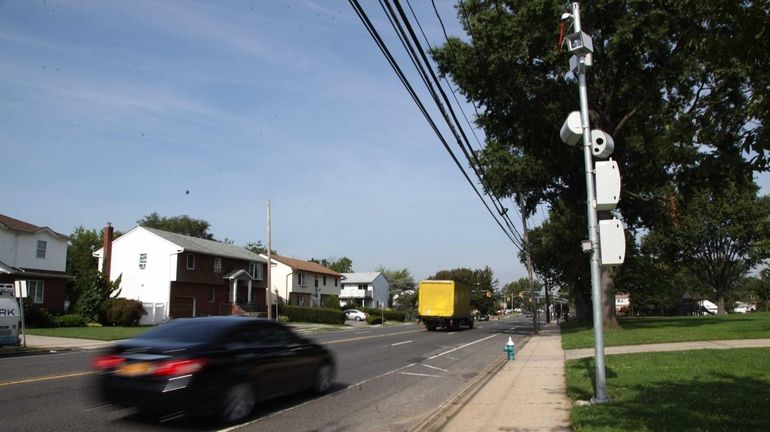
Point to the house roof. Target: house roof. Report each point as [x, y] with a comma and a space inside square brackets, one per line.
[305, 265]
[208, 247]
[21, 226]
[359, 278]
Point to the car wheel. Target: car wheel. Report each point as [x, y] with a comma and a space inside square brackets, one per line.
[323, 379]
[358, 318]
[238, 403]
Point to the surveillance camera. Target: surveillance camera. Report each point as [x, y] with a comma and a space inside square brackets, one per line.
[572, 129]
[580, 43]
[602, 144]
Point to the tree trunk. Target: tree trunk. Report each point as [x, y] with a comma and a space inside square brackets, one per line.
[721, 304]
[547, 303]
[582, 308]
[608, 306]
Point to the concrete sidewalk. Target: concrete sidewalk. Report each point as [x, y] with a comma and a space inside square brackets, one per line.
[48, 342]
[526, 394]
[674, 346]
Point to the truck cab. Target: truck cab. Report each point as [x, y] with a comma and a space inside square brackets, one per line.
[10, 316]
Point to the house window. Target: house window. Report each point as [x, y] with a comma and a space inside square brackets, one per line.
[301, 279]
[324, 280]
[255, 270]
[316, 281]
[35, 290]
[363, 287]
[41, 247]
[335, 281]
[142, 261]
[190, 262]
[211, 295]
[217, 266]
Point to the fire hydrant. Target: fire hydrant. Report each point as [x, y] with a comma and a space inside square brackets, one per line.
[510, 349]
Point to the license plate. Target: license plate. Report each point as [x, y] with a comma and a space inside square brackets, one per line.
[134, 369]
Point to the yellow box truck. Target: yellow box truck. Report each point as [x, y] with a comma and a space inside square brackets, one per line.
[444, 303]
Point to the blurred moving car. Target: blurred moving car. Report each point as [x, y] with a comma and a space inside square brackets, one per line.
[483, 317]
[213, 365]
[355, 314]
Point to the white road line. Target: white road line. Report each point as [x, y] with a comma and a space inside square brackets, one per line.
[434, 367]
[421, 375]
[461, 347]
[362, 332]
[401, 343]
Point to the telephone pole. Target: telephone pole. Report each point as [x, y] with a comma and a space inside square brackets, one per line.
[535, 321]
[268, 289]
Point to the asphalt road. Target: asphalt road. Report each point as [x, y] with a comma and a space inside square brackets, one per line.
[388, 379]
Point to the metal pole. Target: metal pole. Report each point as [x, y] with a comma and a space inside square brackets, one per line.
[593, 230]
[535, 322]
[269, 298]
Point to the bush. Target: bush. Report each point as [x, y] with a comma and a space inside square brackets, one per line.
[71, 320]
[390, 315]
[314, 315]
[374, 319]
[125, 312]
[37, 316]
[331, 302]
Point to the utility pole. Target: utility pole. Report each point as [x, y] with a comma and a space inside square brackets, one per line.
[529, 264]
[268, 293]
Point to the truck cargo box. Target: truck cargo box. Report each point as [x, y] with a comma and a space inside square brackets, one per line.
[441, 298]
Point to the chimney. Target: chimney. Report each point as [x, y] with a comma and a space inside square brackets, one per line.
[107, 256]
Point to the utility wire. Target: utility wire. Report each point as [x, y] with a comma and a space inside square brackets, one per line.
[463, 143]
[397, 69]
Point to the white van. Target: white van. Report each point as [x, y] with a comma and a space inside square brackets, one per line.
[10, 316]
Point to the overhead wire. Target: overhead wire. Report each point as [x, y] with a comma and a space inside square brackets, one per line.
[402, 77]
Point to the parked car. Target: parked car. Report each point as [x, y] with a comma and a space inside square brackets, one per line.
[483, 317]
[213, 365]
[355, 314]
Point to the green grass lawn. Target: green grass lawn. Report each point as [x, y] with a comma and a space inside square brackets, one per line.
[670, 329]
[700, 390]
[98, 333]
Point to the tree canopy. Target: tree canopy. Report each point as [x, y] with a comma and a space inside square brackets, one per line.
[183, 224]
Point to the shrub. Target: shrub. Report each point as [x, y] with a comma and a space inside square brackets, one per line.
[390, 315]
[315, 315]
[331, 302]
[125, 312]
[374, 319]
[37, 316]
[71, 320]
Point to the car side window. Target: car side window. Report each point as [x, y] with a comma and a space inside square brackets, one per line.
[276, 335]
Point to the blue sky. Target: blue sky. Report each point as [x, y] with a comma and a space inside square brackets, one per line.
[111, 110]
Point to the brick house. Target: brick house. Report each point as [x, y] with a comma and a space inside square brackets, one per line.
[180, 276]
[37, 255]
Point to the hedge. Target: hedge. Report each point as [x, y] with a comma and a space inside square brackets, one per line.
[314, 315]
[390, 315]
[71, 320]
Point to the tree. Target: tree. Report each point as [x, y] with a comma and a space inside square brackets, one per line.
[93, 299]
[81, 263]
[258, 248]
[681, 87]
[718, 235]
[340, 265]
[403, 291]
[183, 224]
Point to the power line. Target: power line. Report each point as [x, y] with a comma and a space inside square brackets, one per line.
[397, 69]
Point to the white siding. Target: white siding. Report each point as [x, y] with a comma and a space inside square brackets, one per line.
[278, 279]
[19, 249]
[153, 283]
[281, 272]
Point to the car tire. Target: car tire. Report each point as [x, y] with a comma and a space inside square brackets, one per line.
[323, 379]
[238, 403]
[358, 318]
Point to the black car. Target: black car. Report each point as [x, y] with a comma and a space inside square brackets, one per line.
[212, 365]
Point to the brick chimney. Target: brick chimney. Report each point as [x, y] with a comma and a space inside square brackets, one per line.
[107, 256]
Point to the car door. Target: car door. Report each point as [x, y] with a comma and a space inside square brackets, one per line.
[292, 365]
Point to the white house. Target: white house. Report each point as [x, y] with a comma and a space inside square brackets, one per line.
[37, 255]
[365, 289]
[180, 276]
[302, 283]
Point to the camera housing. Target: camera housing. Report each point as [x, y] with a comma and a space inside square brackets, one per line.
[602, 144]
[572, 130]
[579, 43]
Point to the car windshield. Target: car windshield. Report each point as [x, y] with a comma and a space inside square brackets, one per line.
[189, 330]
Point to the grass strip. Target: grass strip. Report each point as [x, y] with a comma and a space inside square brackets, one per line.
[699, 390]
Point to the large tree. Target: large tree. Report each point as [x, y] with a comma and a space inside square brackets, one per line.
[183, 224]
[680, 85]
[482, 281]
[340, 265]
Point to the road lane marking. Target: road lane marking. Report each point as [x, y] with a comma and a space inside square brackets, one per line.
[370, 337]
[363, 332]
[461, 347]
[46, 378]
[401, 343]
[434, 367]
[421, 375]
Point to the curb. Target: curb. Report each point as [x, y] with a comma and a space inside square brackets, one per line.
[33, 352]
